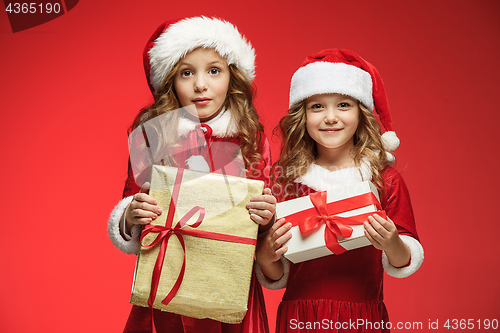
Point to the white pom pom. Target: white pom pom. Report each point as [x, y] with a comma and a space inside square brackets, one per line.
[390, 141]
[197, 163]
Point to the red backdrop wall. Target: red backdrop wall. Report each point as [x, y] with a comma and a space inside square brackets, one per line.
[70, 88]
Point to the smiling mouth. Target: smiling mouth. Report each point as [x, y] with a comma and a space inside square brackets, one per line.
[330, 130]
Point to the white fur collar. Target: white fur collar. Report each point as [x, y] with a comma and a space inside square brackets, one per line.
[222, 125]
[321, 179]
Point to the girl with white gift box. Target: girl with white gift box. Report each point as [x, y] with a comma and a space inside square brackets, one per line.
[331, 139]
[200, 71]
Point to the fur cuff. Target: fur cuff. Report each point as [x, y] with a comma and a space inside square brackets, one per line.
[416, 259]
[128, 246]
[273, 285]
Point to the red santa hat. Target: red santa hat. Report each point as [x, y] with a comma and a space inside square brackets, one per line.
[344, 72]
[174, 39]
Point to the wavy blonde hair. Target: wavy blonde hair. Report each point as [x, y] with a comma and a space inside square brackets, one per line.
[239, 100]
[298, 149]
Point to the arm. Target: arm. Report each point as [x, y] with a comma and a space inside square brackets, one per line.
[384, 236]
[124, 225]
[396, 202]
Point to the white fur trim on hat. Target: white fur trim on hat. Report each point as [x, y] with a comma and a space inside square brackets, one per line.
[128, 246]
[273, 285]
[416, 259]
[327, 78]
[191, 33]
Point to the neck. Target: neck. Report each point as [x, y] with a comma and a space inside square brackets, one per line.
[199, 119]
[335, 158]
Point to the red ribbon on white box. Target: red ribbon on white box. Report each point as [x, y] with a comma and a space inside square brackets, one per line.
[311, 219]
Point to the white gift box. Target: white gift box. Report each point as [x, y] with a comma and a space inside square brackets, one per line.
[313, 246]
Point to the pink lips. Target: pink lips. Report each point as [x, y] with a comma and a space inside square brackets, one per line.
[201, 101]
[330, 130]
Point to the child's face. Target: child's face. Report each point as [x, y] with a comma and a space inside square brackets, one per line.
[202, 79]
[332, 120]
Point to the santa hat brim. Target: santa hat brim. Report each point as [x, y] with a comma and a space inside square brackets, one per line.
[328, 78]
[184, 36]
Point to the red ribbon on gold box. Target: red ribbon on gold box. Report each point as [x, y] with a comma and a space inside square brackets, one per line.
[206, 272]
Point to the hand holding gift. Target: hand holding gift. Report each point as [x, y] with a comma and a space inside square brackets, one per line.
[262, 207]
[384, 236]
[271, 249]
[331, 222]
[143, 209]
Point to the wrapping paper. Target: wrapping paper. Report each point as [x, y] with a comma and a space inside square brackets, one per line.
[216, 277]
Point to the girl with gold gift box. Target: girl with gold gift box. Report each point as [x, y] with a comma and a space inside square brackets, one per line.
[207, 63]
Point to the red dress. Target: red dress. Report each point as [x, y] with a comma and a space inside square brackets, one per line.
[333, 293]
[255, 321]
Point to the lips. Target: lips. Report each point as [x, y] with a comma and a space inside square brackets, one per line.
[201, 101]
[330, 130]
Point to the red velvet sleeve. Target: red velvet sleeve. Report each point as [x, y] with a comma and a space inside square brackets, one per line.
[396, 202]
[261, 170]
[131, 187]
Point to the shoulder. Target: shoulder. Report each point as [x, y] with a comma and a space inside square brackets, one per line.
[392, 177]
[389, 172]
[396, 191]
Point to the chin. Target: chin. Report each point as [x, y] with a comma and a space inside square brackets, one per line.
[204, 115]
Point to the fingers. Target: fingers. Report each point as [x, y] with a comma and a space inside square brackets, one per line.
[380, 232]
[370, 238]
[280, 224]
[141, 216]
[143, 209]
[262, 201]
[267, 191]
[145, 188]
[273, 246]
[277, 236]
[145, 202]
[279, 233]
[281, 251]
[262, 207]
[261, 216]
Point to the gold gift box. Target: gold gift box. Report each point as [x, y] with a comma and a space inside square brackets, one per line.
[217, 274]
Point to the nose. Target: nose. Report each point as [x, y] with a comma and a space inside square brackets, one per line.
[200, 84]
[331, 116]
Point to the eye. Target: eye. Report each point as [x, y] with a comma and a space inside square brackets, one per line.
[316, 106]
[214, 71]
[186, 73]
[344, 105]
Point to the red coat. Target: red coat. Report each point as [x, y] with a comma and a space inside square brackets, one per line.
[333, 291]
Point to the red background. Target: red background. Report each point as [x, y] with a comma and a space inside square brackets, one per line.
[70, 88]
